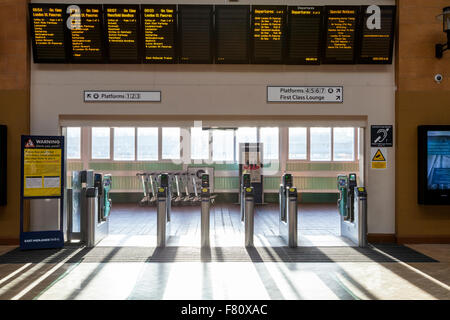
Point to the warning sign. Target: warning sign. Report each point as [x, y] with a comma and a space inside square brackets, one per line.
[379, 158]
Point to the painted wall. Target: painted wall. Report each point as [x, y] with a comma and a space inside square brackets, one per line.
[232, 90]
[420, 101]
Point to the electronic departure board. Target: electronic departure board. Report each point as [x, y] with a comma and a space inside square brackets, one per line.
[122, 28]
[376, 44]
[268, 33]
[304, 36]
[47, 33]
[86, 34]
[232, 34]
[159, 29]
[341, 25]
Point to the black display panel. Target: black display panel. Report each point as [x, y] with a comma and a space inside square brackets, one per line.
[195, 33]
[341, 27]
[268, 34]
[86, 35]
[434, 164]
[232, 33]
[3, 182]
[376, 45]
[47, 32]
[159, 29]
[122, 29]
[304, 37]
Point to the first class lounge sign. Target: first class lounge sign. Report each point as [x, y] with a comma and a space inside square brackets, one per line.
[316, 94]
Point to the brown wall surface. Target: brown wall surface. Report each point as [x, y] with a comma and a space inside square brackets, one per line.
[419, 101]
[14, 105]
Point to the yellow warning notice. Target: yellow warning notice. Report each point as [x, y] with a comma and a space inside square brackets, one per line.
[379, 165]
[379, 156]
[42, 172]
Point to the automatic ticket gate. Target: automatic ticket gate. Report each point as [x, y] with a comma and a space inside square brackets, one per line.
[164, 197]
[205, 211]
[288, 211]
[247, 202]
[88, 207]
[352, 206]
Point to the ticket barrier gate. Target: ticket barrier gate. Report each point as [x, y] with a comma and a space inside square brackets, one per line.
[288, 226]
[88, 207]
[164, 196]
[205, 211]
[248, 209]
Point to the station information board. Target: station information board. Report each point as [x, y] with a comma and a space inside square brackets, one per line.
[86, 34]
[268, 33]
[376, 45]
[304, 36]
[159, 28]
[47, 33]
[195, 33]
[341, 28]
[232, 26]
[122, 28]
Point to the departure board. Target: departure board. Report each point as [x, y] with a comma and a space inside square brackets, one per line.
[159, 27]
[232, 26]
[304, 36]
[268, 34]
[376, 45]
[86, 34]
[195, 33]
[122, 29]
[341, 29]
[47, 33]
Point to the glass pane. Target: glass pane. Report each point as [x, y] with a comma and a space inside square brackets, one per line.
[199, 143]
[320, 144]
[297, 143]
[73, 143]
[171, 143]
[244, 135]
[223, 145]
[343, 144]
[124, 144]
[269, 138]
[100, 143]
[147, 143]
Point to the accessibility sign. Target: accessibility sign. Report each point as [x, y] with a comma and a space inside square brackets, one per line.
[379, 158]
[381, 136]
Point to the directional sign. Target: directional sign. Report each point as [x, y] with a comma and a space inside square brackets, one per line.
[305, 94]
[381, 136]
[122, 96]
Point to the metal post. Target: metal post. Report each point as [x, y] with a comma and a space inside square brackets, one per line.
[91, 215]
[249, 216]
[69, 215]
[292, 207]
[205, 217]
[361, 195]
[162, 216]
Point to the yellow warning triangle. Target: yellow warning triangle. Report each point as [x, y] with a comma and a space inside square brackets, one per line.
[378, 156]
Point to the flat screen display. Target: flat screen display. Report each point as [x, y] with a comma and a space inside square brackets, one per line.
[268, 34]
[159, 28]
[48, 32]
[232, 33]
[122, 29]
[196, 33]
[3, 182]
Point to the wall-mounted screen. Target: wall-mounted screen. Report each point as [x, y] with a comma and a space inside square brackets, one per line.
[122, 29]
[86, 33]
[304, 36]
[341, 23]
[377, 35]
[47, 32]
[195, 33]
[159, 29]
[232, 26]
[434, 164]
[268, 34]
[3, 182]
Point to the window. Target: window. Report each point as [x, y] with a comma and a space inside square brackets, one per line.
[343, 144]
[199, 143]
[269, 138]
[124, 144]
[73, 143]
[223, 146]
[100, 146]
[147, 144]
[320, 144]
[297, 144]
[244, 135]
[171, 143]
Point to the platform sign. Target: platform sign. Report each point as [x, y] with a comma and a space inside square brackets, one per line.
[305, 94]
[42, 177]
[381, 136]
[379, 158]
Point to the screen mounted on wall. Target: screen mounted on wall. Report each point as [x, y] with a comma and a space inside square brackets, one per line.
[3, 182]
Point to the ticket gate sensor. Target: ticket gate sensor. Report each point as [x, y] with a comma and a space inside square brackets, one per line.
[245, 183]
[249, 215]
[342, 184]
[356, 230]
[351, 193]
[288, 212]
[107, 185]
[205, 211]
[163, 210]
